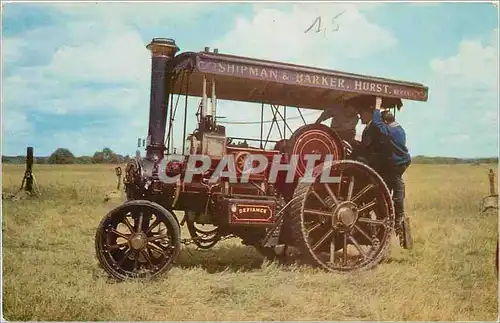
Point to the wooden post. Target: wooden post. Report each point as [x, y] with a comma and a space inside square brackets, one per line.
[118, 172]
[490, 201]
[29, 181]
[491, 176]
[29, 170]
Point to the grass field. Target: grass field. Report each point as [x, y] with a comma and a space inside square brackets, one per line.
[50, 271]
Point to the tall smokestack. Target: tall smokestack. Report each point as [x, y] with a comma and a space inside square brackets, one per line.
[162, 50]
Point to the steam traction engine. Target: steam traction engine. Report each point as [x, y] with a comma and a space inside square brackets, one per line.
[340, 226]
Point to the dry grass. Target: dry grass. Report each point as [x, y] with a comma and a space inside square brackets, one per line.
[50, 271]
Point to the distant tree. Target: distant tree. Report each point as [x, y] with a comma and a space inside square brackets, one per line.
[106, 156]
[84, 160]
[61, 156]
[98, 157]
[41, 160]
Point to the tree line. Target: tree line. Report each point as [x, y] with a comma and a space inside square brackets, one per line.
[107, 156]
[453, 160]
[65, 156]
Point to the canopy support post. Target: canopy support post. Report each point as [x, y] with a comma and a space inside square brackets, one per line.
[277, 111]
[261, 123]
[170, 134]
[204, 100]
[284, 119]
[185, 116]
[272, 124]
[300, 113]
[284, 122]
[170, 121]
[214, 99]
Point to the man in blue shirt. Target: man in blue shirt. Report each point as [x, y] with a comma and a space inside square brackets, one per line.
[383, 147]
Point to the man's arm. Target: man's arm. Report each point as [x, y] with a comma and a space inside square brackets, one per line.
[379, 123]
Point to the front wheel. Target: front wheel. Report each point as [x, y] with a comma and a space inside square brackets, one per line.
[138, 239]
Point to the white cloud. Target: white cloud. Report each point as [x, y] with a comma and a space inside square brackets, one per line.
[471, 74]
[114, 58]
[150, 14]
[15, 122]
[104, 45]
[11, 49]
[280, 35]
[462, 112]
[98, 66]
[474, 66]
[109, 54]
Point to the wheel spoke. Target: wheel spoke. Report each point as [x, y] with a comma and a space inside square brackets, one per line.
[330, 192]
[362, 192]
[127, 223]
[332, 251]
[356, 244]
[320, 199]
[340, 183]
[344, 251]
[351, 188]
[363, 233]
[138, 228]
[371, 221]
[314, 227]
[163, 236]
[317, 212]
[121, 235]
[125, 256]
[136, 259]
[367, 206]
[155, 223]
[145, 253]
[322, 240]
[156, 248]
[117, 246]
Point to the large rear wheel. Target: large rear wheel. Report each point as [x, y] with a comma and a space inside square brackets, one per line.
[138, 239]
[344, 226]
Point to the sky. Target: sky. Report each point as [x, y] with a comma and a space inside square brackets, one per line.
[77, 76]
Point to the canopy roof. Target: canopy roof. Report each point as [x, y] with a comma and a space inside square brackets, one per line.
[253, 80]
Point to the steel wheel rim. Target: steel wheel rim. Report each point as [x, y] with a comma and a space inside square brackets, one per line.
[131, 250]
[344, 228]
